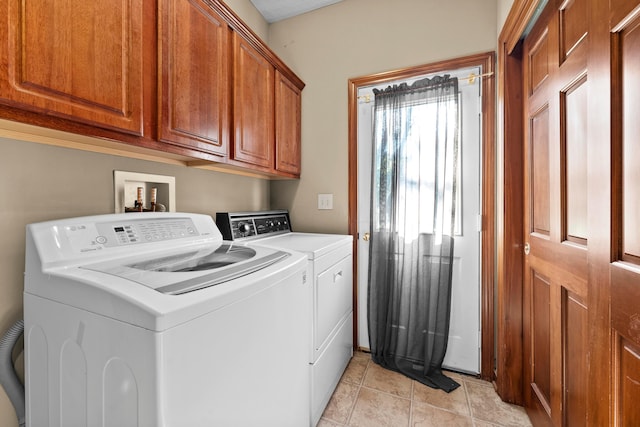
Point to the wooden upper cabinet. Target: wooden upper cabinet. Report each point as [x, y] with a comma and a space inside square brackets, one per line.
[193, 80]
[76, 59]
[288, 126]
[253, 106]
[185, 77]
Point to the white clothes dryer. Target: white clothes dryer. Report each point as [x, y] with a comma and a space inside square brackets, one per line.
[330, 302]
[151, 319]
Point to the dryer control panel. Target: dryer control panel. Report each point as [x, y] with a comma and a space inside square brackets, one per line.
[247, 225]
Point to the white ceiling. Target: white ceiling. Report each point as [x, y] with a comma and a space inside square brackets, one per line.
[277, 10]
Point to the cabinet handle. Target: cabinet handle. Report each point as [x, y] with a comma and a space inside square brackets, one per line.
[336, 276]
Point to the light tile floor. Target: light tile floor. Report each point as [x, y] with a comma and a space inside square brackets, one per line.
[371, 396]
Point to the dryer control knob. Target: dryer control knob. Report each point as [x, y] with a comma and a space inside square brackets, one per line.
[244, 227]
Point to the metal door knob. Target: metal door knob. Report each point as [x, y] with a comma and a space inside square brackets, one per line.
[527, 248]
[366, 237]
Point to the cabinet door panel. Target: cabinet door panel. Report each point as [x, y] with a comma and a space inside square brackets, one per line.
[194, 76]
[287, 126]
[75, 59]
[253, 106]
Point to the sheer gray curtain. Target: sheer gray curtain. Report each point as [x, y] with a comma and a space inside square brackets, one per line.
[413, 202]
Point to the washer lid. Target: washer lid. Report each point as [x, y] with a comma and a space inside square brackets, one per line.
[190, 269]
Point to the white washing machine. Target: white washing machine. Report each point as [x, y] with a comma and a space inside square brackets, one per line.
[151, 319]
[330, 302]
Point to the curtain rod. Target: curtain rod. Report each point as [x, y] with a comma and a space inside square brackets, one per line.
[471, 79]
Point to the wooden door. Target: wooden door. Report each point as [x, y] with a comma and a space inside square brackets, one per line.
[624, 33]
[253, 105]
[582, 198]
[288, 126]
[556, 234]
[193, 79]
[80, 60]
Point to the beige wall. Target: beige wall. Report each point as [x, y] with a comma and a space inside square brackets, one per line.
[355, 38]
[250, 15]
[504, 6]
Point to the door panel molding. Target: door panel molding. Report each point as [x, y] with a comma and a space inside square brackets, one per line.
[574, 364]
[573, 26]
[539, 189]
[626, 382]
[573, 162]
[540, 377]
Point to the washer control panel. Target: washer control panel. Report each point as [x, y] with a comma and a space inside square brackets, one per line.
[126, 233]
[67, 241]
[86, 237]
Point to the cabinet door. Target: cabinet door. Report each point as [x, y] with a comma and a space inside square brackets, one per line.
[77, 59]
[193, 76]
[287, 126]
[253, 107]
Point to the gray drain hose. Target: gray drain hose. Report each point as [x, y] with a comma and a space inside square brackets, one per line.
[8, 378]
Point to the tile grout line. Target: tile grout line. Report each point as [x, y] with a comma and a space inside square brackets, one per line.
[472, 415]
[386, 393]
[355, 401]
[468, 399]
[413, 387]
[353, 407]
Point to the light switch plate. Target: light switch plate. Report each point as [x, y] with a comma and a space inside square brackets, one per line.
[125, 185]
[325, 201]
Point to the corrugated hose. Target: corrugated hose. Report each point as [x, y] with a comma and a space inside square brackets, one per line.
[8, 377]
